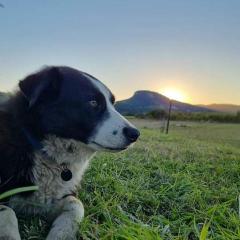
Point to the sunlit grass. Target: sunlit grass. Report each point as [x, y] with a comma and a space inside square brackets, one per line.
[181, 186]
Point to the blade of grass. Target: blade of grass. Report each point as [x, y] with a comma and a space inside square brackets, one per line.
[204, 231]
[17, 190]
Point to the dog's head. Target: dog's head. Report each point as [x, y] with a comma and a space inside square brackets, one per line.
[74, 105]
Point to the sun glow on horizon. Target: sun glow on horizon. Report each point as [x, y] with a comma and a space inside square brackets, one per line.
[174, 94]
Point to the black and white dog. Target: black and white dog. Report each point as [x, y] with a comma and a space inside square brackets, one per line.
[49, 130]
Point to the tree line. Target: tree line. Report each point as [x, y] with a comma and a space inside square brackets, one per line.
[193, 116]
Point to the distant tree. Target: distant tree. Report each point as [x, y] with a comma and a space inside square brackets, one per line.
[238, 116]
[157, 114]
[197, 116]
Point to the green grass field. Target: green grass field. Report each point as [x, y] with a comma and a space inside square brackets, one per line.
[184, 185]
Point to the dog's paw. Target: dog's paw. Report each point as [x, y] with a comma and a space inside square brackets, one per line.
[63, 228]
[66, 225]
[8, 224]
[61, 234]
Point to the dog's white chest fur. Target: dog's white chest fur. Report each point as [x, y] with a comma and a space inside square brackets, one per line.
[47, 169]
[48, 178]
[47, 172]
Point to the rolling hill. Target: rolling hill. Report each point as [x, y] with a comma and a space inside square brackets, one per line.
[146, 101]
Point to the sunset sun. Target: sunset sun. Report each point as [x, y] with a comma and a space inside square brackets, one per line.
[174, 94]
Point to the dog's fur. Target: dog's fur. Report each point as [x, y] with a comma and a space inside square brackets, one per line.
[59, 117]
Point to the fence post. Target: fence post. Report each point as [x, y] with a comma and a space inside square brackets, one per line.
[169, 115]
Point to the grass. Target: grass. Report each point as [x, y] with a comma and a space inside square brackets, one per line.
[17, 191]
[184, 185]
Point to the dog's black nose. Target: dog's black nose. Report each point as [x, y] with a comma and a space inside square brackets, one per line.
[131, 133]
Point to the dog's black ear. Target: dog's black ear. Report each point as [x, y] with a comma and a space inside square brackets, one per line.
[41, 86]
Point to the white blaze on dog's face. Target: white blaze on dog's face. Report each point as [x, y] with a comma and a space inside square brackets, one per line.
[115, 132]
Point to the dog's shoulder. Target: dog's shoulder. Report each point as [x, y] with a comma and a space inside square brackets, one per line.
[15, 154]
[11, 138]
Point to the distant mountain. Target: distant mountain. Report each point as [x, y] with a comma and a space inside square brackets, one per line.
[146, 101]
[228, 108]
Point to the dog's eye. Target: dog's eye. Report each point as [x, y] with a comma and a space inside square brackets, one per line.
[93, 103]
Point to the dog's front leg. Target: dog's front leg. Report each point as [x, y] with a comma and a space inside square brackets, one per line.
[8, 224]
[65, 226]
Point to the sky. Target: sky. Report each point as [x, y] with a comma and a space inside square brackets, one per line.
[191, 47]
